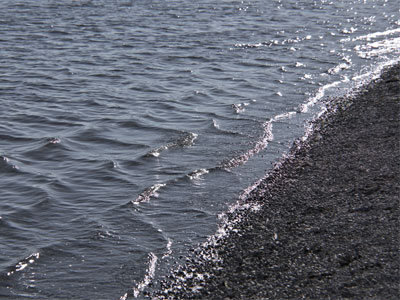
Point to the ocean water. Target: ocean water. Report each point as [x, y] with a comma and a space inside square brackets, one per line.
[128, 127]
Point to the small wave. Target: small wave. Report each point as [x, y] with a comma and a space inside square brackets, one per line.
[49, 148]
[338, 68]
[197, 174]
[185, 141]
[157, 152]
[169, 249]
[54, 140]
[348, 31]
[370, 75]
[246, 192]
[240, 107]
[6, 163]
[260, 145]
[274, 42]
[372, 35]
[249, 45]
[368, 50]
[378, 48]
[148, 193]
[303, 108]
[152, 191]
[299, 65]
[150, 272]
[22, 264]
[216, 125]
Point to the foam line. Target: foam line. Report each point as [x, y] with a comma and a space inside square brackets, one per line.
[150, 272]
[148, 193]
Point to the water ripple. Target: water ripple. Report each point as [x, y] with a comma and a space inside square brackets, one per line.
[106, 104]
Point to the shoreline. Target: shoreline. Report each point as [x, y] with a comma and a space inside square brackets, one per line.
[329, 217]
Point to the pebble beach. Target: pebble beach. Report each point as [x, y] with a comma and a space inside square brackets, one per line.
[327, 226]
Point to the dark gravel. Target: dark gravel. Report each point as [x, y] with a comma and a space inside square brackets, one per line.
[329, 224]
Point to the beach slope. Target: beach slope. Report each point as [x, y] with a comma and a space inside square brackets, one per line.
[328, 226]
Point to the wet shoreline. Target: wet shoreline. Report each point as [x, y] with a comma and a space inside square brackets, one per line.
[329, 217]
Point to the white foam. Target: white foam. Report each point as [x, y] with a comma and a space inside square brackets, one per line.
[186, 141]
[24, 263]
[376, 49]
[156, 152]
[55, 140]
[239, 108]
[8, 162]
[373, 74]
[115, 164]
[197, 174]
[373, 49]
[303, 108]
[299, 65]
[124, 297]
[169, 249]
[338, 68]
[148, 193]
[283, 116]
[215, 124]
[260, 145]
[357, 82]
[150, 272]
[373, 35]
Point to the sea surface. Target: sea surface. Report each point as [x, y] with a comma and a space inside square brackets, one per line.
[128, 127]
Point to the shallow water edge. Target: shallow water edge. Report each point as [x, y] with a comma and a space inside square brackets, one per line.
[322, 222]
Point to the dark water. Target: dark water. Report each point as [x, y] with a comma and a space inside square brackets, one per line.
[126, 127]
